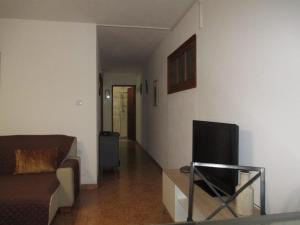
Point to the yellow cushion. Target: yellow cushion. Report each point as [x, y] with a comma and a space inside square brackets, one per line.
[35, 161]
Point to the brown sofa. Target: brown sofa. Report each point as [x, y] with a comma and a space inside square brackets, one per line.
[34, 198]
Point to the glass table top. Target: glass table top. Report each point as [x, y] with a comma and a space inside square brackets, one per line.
[272, 219]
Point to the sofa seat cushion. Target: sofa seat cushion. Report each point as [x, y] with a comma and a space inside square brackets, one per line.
[24, 199]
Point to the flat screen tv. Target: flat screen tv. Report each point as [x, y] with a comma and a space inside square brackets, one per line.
[216, 143]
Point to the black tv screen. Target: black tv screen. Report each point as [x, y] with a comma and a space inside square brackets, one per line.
[216, 143]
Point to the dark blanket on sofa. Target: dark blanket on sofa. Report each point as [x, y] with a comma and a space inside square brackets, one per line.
[24, 199]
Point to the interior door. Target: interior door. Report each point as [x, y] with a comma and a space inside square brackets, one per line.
[131, 114]
[101, 101]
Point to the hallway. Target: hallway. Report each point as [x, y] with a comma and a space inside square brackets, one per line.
[133, 199]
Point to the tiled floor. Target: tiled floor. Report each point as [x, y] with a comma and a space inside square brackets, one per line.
[132, 199]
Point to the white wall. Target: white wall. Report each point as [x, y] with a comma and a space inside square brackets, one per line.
[46, 67]
[98, 99]
[248, 65]
[121, 78]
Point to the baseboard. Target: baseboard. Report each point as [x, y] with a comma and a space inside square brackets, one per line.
[156, 163]
[88, 186]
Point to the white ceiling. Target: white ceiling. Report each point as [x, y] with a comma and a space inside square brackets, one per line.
[127, 45]
[161, 13]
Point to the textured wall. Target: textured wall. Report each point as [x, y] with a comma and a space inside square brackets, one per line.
[46, 68]
[248, 69]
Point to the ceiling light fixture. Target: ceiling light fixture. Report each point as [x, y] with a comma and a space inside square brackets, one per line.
[107, 94]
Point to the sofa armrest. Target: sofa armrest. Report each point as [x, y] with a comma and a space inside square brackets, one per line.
[73, 149]
[68, 175]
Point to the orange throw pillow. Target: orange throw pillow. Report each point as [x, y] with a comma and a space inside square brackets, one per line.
[36, 161]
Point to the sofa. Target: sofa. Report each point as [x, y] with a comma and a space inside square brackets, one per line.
[38, 175]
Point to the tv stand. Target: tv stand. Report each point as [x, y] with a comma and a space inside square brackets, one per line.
[175, 199]
[207, 189]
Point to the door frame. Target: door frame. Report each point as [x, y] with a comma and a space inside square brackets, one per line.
[112, 102]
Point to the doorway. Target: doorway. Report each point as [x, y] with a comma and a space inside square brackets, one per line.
[124, 111]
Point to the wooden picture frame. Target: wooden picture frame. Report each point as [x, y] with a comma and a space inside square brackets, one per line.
[141, 88]
[182, 64]
[146, 87]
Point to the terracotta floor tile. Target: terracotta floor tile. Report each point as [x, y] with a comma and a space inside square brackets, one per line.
[133, 197]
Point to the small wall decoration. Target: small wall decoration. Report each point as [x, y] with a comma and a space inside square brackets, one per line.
[100, 84]
[146, 86]
[155, 93]
[141, 88]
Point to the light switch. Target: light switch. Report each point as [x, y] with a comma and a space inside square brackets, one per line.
[79, 102]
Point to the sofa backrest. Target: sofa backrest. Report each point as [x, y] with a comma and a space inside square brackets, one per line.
[8, 145]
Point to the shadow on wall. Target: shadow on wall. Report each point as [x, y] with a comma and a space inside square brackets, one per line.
[85, 173]
[0, 69]
[246, 158]
[246, 148]
[293, 201]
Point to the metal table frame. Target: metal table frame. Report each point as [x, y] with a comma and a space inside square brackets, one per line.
[225, 203]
